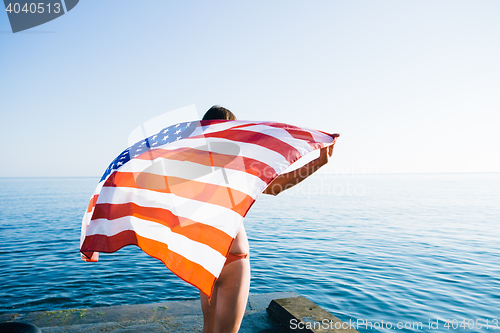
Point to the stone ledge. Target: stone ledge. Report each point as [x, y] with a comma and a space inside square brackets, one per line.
[286, 312]
[171, 316]
[298, 314]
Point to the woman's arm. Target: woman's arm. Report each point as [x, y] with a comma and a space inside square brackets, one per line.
[292, 178]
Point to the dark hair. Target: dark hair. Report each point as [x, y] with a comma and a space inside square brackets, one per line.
[218, 112]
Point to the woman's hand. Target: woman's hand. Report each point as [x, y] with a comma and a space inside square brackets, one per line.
[324, 155]
[292, 178]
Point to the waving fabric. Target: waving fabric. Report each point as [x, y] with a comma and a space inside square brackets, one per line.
[181, 194]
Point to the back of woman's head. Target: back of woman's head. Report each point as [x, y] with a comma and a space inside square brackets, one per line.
[218, 112]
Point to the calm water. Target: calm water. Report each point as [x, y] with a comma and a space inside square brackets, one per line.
[391, 248]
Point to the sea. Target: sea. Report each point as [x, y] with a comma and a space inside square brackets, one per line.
[382, 252]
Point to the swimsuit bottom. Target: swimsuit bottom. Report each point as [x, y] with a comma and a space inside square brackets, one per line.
[235, 256]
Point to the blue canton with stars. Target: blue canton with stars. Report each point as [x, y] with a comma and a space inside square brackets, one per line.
[166, 135]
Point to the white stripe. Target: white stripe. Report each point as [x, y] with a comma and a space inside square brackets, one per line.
[216, 216]
[88, 215]
[85, 223]
[237, 180]
[194, 251]
[321, 137]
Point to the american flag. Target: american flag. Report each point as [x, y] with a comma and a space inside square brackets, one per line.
[181, 194]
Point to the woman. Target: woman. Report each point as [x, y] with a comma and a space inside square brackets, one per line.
[224, 312]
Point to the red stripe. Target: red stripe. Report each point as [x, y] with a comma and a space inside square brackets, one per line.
[301, 134]
[198, 232]
[267, 141]
[187, 270]
[190, 189]
[294, 131]
[92, 202]
[90, 256]
[240, 163]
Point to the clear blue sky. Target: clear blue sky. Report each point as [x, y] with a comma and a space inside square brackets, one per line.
[412, 86]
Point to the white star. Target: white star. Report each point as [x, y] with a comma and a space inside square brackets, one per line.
[138, 149]
[178, 131]
[188, 124]
[177, 138]
[155, 143]
[154, 136]
[177, 125]
[136, 155]
[165, 131]
[165, 138]
[119, 163]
